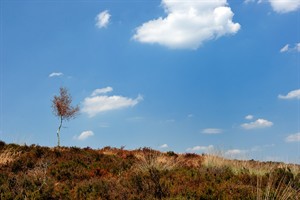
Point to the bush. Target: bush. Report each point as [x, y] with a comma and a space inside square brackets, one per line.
[2, 144]
[172, 153]
[73, 173]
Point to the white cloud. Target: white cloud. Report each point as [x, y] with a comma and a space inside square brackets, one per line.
[102, 19]
[190, 115]
[55, 74]
[233, 152]
[170, 121]
[200, 148]
[249, 1]
[260, 123]
[279, 6]
[249, 117]
[102, 91]
[164, 146]
[84, 135]
[293, 138]
[236, 154]
[96, 104]
[285, 48]
[135, 119]
[212, 131]
[288, 48]
[188, 24]
[285, 6]
[297, 47]
[262, 147]
[104, 125]
[295, 94]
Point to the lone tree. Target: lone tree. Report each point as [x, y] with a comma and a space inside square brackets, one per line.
[62, 108]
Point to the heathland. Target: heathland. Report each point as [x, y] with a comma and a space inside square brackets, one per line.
[36, 172]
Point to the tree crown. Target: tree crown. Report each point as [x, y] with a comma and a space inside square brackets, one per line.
[62, 107]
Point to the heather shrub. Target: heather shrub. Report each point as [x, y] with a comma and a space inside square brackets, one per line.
[34, 172]
[2, 144]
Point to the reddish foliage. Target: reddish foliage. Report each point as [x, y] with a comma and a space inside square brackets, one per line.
[61, 105]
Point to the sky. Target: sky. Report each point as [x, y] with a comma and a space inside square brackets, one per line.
[197, 76]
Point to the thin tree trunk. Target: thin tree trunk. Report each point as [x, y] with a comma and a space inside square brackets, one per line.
[58, 132]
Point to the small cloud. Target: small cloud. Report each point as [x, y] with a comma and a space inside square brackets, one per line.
[260, 123]
[295, 94]
[293, 138]
[285, 48]
[102, 19]
[163, 146]
[55, 74]
[101, 91]
[233, 152]
[279, 6]
[188, 24]
[212, 131]
[297, 47]
[249, 1]
[200, 148]
[170, 121]
[135, 119]
[191, 115]
[84, 135]
[104, 125]
[93, 105]
[285, 6]
[288, 48]
[249, 117]
[262, 147]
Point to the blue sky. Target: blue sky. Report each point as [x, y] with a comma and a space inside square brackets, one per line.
[183, 76]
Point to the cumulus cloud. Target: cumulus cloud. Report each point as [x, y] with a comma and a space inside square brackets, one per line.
[279, 6]
[53, 74]
[249, 117]
[289, 48]
[295, 94]
[285, 6]
[102, 19]
[212, 131]
[84, 135]
[102, 91]
[260, 123]
[163, 146]
[97, 103]
[293, 138]
[188, 24]
[200, 148]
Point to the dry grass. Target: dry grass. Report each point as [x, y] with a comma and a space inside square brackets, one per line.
[282, 191]
[251, 166]
[154, 160]
[110, 173]
[8, 155]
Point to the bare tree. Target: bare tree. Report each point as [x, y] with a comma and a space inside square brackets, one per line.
[62, 108]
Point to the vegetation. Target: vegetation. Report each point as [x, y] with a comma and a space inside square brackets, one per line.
[62, 108]
[35, 172]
